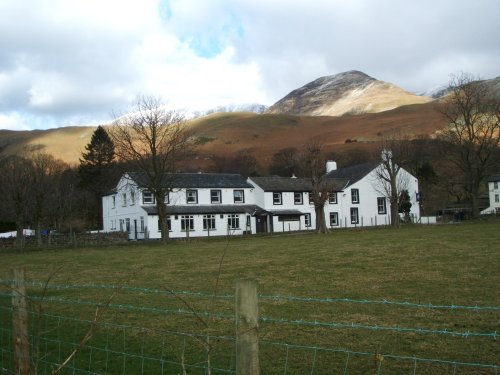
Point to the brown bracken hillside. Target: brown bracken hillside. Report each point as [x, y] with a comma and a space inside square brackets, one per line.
[225, 134]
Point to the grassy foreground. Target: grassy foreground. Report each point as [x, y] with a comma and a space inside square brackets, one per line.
[442, 265]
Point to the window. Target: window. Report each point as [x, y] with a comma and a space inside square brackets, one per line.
[121, 225]
[355, 195]
[276, 198]
[147, 197]
[497, 198]
[113, 201]
[297, 198]
[495, 185]
[169, 224]
[332, 197]
[334, 219]
[239, 196]
[187, 223]
[215, 196]
[124, 199]
[382, 209]
[233, 221]
[307, 218]
[167, 198]
[248, 222]
[192, 196]
[311, 198]
[127, 224]
[354, 215]
[208, 222]
[142, 224]
[132, 198]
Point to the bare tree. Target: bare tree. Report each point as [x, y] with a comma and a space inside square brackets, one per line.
[473, 115]
[16, 186]
[315, 161]
[390, 180]
[46, 169]
[152, 140]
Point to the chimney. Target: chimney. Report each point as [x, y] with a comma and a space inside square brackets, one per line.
[331, 166]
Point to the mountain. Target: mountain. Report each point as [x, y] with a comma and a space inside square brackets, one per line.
[347, 93]
[230, 108]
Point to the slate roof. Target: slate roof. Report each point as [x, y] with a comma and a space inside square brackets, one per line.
[286, 212]
[207, 209]
[352, 174]
[288, 184]
[196, 180]
[494, 177]
[276, 183]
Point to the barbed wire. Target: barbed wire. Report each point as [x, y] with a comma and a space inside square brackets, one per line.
[261, 296]
[300, 322]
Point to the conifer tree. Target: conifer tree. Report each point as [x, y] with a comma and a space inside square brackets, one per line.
[96, 164]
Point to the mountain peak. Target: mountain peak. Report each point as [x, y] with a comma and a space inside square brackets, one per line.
[351, 92]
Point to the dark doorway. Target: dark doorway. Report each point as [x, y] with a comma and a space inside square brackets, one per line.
[261, 223]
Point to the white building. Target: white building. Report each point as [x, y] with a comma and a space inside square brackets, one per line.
[494, 194]
[211, 204]
[364, 200]
[199, 205]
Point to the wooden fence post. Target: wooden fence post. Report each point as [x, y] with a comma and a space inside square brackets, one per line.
[247, 324]
[20, 324]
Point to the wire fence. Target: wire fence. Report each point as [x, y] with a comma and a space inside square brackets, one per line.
[136, 330]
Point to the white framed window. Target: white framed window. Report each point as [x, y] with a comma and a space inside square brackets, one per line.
[169, 224]
[132, 198]
[307, 219]
[127, 224]
[297, 198]
[495, 185]
[239, 196]
[124, 199]
[332, 197]
[113, 201]
[215, 196]
[208, 222]
[381, 205]
[191, 196]
[311, 198]
[148, 197]
[187, 223]
[142, 224]
[334, 219]
[354, 215]
[497, 198]
[277, 198]
[233, 221]
[121, 225]
[355, 195]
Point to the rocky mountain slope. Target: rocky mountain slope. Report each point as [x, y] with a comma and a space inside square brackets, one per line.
[351, 92]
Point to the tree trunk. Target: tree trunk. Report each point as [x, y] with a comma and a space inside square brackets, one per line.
[162, 216]
[320, 218]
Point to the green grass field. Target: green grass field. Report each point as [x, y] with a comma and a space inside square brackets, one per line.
[442, 265]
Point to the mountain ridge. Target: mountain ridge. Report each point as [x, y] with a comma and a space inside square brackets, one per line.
[346, 93]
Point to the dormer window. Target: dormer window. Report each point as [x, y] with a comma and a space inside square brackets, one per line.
[147, 197]
[192, 196]
[132, 198]
[239, 196]
[215, 197]
[124, 199]
[297, 198]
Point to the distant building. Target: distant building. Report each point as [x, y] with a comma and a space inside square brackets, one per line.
[494, 194]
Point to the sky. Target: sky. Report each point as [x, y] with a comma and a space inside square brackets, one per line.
[78, 62]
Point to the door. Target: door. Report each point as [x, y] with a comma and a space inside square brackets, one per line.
[261, 224]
